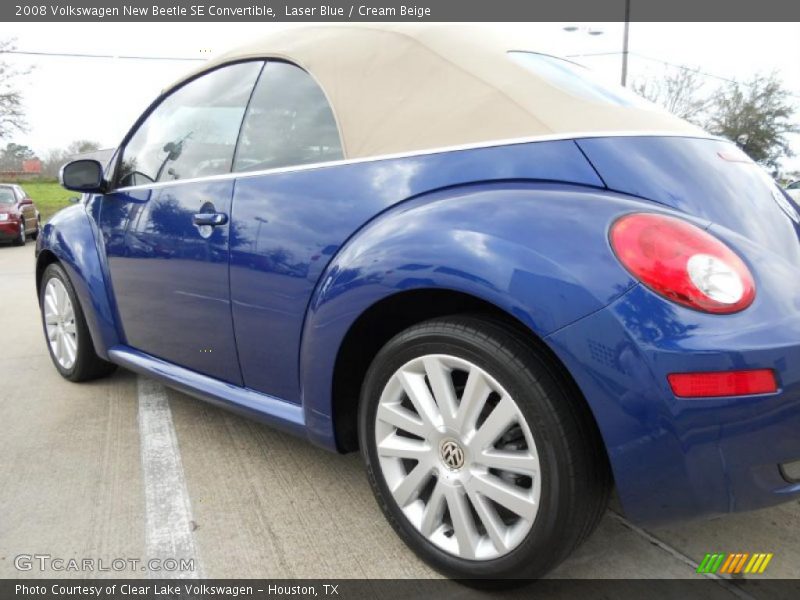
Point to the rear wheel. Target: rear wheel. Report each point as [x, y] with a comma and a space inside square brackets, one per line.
[68, 337]
[21, 237]
[35, 234]
[479, 452]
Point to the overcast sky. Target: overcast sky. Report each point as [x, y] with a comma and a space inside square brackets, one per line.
[68, 98]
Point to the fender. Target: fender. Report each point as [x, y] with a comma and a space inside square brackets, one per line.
[70, 237]
[541, 255]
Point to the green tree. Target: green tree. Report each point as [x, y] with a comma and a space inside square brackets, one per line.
[81, 146]
[12, 155]
[757, 115]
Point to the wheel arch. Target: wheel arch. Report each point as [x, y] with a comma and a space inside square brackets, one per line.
[373, 329]
[44, 260]
[68, 239]
[386, 318]
[525, 263]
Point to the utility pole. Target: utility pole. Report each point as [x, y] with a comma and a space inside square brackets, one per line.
[625, 42]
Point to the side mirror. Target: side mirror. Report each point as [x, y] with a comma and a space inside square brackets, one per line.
[83, 175]
[25, 202]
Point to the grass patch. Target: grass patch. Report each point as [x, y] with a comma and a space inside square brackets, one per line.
[49, 197]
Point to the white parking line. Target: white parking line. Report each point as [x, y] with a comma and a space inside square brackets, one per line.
[170, 527]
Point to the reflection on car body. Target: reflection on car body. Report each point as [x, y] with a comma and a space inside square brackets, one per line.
[508, 285]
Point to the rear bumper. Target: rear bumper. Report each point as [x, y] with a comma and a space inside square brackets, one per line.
[676, 458]
[9, 230]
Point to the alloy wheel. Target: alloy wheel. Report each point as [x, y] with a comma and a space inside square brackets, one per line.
[458, 457]
[59, 318]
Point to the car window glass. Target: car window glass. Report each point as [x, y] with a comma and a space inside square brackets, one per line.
[289, 122]
[193, 132]
[794, 186]
[7, 196]
[578, 80]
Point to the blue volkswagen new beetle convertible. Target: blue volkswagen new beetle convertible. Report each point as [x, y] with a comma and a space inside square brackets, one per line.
[511, 287]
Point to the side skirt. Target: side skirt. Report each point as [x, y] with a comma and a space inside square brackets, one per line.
[273, 411]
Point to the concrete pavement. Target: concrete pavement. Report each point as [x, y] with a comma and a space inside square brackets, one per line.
[263, 504]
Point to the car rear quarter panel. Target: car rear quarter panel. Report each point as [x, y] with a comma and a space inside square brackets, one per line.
[706, 178]
[537, 251]
[288, 227]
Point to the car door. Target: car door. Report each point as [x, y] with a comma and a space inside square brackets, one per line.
[279, 220]
[165, 224]
[26, 207]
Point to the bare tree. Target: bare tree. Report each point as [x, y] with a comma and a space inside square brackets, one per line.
[12, 114]
[678, 91]
[54, 159]
[757, 115]
[81, 146]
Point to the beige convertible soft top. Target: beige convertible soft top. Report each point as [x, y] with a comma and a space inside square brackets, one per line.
[403, 88]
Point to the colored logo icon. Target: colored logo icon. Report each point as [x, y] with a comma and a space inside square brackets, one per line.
[741, 562]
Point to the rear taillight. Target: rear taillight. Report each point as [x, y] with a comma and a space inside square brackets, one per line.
[683, 263]
[723, 383]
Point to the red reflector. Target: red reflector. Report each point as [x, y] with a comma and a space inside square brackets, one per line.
[723, 383]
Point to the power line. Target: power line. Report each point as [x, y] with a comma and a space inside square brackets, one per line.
[673, 65]
[594, 54]
[658, 60]
[80, 55]
[685, 68]
[699, 72]
[185, 58]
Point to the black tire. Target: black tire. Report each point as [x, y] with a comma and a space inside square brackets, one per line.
[35, 234]
[21, 237]
[87, 365]
[575, 476]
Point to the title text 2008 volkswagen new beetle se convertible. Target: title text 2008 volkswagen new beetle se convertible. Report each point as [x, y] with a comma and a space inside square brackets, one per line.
[508, 285]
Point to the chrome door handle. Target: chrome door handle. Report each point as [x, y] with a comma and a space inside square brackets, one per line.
[212, 219]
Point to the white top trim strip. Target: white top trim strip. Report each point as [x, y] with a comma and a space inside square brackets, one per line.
[424, 152]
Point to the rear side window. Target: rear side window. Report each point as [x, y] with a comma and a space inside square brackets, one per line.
[289, 122]
[578, 80]
[193, 132]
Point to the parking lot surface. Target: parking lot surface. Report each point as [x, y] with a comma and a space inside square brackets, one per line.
[76, 481]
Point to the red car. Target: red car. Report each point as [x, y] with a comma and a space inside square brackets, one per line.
[18, 215]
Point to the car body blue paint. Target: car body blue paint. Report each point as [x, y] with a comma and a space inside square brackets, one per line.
[676, 458]
[521, 226]
[70, 236]
[708, 179]
[262, 407]
[529, 260]
[287, 227]
[170, 276]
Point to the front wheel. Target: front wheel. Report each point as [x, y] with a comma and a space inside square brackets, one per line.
[68, 337]
[481, 454]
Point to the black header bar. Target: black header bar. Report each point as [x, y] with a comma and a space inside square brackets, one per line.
[399, 10]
